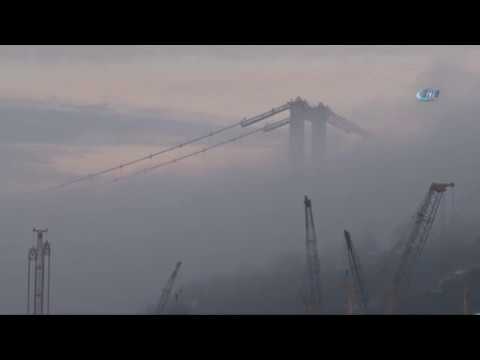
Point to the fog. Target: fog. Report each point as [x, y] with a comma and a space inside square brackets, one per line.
[234, 216]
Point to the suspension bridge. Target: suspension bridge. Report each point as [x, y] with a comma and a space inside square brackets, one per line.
[299, 112]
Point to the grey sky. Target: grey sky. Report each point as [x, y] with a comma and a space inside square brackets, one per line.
[222, 80]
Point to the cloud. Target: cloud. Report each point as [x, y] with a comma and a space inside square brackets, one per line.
[69, 53]
[125, 53]
[43, 141]
[374, 186]
[44, 123]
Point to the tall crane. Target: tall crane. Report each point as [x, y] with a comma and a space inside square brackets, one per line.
[167, 290]
[350, 292]
[40, 257]
[466, 298]
[358, 290]
[419, 233]
[314, 298]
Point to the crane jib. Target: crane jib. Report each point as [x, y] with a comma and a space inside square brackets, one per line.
[418, 237]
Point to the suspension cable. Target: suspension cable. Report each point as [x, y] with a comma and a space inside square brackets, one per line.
[172, 161]
[242, 123]
[146, 157]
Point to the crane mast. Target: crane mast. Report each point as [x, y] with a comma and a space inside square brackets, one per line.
[466, 297]
[357, 290]
[417, 239]
[314, 299]
[350, 296]
[167, 290]
[40, 257]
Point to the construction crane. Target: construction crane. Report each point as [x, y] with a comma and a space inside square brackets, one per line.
[467, 308]
[314, 298]
[349, 288]
[357, 290]
[40, 257]
[415, 243]
[167, 290]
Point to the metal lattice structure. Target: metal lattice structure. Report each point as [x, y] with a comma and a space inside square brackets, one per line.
[167, 290]
[423, 222]
[40, 256]
[314, 298]
[357, 291]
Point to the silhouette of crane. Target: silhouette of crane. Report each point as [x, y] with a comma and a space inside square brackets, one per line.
[167, 290]
[418, 236]
[358, 293]
[314, 298]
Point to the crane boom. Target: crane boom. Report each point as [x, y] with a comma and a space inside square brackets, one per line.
[423, 222]
[360, 292]
[314, 301]
[167, 290]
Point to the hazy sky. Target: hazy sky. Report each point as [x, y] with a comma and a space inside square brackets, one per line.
[223, 83]
[231, 81]
[70, 110]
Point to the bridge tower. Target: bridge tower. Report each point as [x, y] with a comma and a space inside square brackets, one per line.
[299, 110]
[319, 116]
